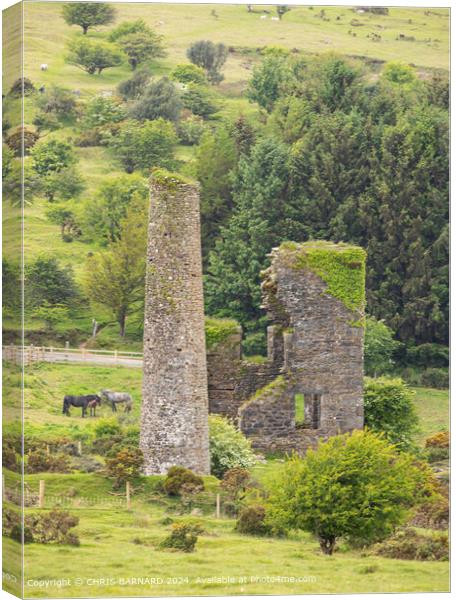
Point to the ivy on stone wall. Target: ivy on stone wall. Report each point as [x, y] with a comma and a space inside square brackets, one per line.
[341, 266]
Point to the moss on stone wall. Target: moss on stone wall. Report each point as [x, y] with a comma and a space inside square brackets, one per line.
[341, 266]
[278, 385]
[170, 180]
[217, 330]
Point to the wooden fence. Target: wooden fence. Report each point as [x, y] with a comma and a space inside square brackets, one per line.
[30, 354]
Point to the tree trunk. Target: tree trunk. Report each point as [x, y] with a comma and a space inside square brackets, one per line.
[133, 63]
[84, 29]
[121, 319]
[327, 544]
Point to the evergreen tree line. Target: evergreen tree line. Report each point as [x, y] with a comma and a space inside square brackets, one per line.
[340, 157]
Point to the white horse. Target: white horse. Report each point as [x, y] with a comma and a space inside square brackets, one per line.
[117, 398]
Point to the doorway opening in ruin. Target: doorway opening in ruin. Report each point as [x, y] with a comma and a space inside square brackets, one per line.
[307, 410]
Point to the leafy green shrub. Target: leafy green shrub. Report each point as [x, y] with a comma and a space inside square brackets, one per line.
[355, 486]
[101, 111]
[133, 88]
[389, 408]
[39, 461]
[178, 477]
[200, 100]
[125, 466]
[408, 544]
[160, 100]
[182, 538]
[145, 145]
[379, 347]
[107, 427]
[189, 131]
[251, 521]
[228, 447]
[52, 155]
[428, 355]
[57, 101]
[436, 378]
[46, 121]
[189, 73]
[126, 28]
[255, 344]
[53, 527]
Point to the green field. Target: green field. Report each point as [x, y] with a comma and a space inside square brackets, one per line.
[105, 524]
[116, 545]
[46, 384]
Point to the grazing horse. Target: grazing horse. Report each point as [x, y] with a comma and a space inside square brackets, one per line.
[117, 398]
[92, 405]
[80, 401]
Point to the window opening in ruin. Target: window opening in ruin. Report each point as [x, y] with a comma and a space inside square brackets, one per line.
[299, 410]
[307, 410]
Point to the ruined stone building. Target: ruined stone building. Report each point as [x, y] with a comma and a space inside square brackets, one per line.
[310, 385]
[174, 412]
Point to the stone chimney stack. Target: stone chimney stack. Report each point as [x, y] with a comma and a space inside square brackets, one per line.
[174, 415]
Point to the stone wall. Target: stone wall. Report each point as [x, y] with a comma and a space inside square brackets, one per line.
[174, 417]
[232, 380]
[315, 292]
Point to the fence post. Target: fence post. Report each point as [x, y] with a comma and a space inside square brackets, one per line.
[217, 506]
[80, 448]
[41, 493]
[128, 493]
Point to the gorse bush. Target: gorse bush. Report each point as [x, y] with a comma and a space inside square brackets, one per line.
[408, 544]
[228, 447]
[179, 477]
[53, 527]
[125, 466]
[40, 461]
[182, 538]
[251, 521]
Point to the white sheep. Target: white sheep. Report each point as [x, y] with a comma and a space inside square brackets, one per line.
[44, 67]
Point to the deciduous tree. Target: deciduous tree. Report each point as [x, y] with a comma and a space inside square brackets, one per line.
[88, 14]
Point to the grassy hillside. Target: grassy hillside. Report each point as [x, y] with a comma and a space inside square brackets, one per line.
[417, 36]
[303, 28]
[220, 553]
